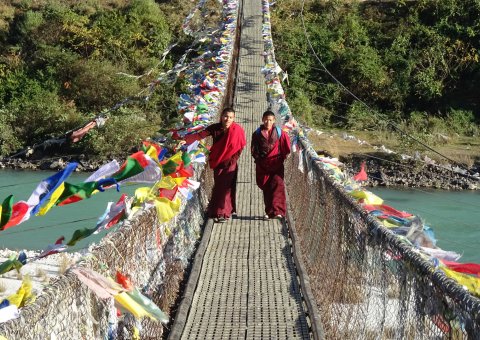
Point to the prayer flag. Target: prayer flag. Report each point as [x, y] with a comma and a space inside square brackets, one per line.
[113, 214]
[6, 211]
[76, 192]
[134, 165]
[18, 212]
[45, 189]
[106, 170]
[54, 248]
[362, 174]
[80, 234]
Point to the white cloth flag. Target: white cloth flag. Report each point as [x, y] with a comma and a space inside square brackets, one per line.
[105, 171]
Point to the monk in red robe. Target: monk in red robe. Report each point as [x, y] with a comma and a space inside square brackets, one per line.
[270, 148]
[228, 143]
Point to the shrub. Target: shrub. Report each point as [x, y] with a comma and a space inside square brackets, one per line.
[124, 130]
[9, 140]
[95, 85]
[462, 122]
[360, 117]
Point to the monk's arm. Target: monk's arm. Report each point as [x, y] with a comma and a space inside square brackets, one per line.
[286, 148]
[189, 139]
[254, 146]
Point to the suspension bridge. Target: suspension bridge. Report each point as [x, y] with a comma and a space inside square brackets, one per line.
[328, 271]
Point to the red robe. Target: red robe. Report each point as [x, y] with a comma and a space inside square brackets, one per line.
[270, 151]
[224, 153]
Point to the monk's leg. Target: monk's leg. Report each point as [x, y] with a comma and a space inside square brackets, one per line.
[262, 178]
[278, 197]
[234, 191]
[221, 201]
[268, 199]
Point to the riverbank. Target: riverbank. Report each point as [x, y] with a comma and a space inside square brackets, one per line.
[384, 169]
[388, 167]
[52, 163]
[392, 171]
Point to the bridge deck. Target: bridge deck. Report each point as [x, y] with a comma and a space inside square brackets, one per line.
[247, 286]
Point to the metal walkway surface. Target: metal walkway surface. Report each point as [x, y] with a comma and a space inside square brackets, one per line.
[247, 286]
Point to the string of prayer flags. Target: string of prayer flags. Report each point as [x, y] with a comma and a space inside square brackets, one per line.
[407, 227]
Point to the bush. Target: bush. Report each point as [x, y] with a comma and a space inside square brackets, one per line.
[462, 122]
[9, 141]
[360, 117]
[124, 130]
[39, 114]
[95, 85]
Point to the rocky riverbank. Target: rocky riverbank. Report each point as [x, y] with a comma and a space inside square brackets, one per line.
[391, 170]
[53, 164]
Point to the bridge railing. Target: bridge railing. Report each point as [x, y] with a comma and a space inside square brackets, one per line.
[154, 255]
[366, 282]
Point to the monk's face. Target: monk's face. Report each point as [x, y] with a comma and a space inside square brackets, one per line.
[268, 122]
[227, 119]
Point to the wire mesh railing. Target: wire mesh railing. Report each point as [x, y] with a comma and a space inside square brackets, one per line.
[366, 282]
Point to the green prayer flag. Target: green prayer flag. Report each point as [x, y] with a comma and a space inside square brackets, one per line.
[186, 159]
[80, 234]
[6, 211]
[169, 167]
[82, 190]
[132, 167]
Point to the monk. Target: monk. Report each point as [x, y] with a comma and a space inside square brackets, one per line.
[228, 143]
[270, 148]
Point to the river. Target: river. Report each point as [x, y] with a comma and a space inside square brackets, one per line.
[453, 215]
[40, 231]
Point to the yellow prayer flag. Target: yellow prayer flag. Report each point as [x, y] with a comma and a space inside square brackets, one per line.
[53, 198]
[472, 283]
[124, 300]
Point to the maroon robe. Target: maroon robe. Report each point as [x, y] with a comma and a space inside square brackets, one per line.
[270, 151]
[224, 153]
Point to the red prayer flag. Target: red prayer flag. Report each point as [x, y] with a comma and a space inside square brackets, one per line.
[362, 174]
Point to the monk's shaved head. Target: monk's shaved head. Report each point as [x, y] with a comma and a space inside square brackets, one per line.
[268, 113]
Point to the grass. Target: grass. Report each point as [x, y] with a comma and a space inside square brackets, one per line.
[3, 286]
[64, 262]
[464, 150]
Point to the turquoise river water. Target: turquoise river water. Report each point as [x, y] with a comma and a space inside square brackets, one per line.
[454, 216]
[40, 231]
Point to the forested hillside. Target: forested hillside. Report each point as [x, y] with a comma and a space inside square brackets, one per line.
[64, 62]
[414, 63]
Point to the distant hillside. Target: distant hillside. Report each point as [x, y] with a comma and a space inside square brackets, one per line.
[415, 63]
[60, 65]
